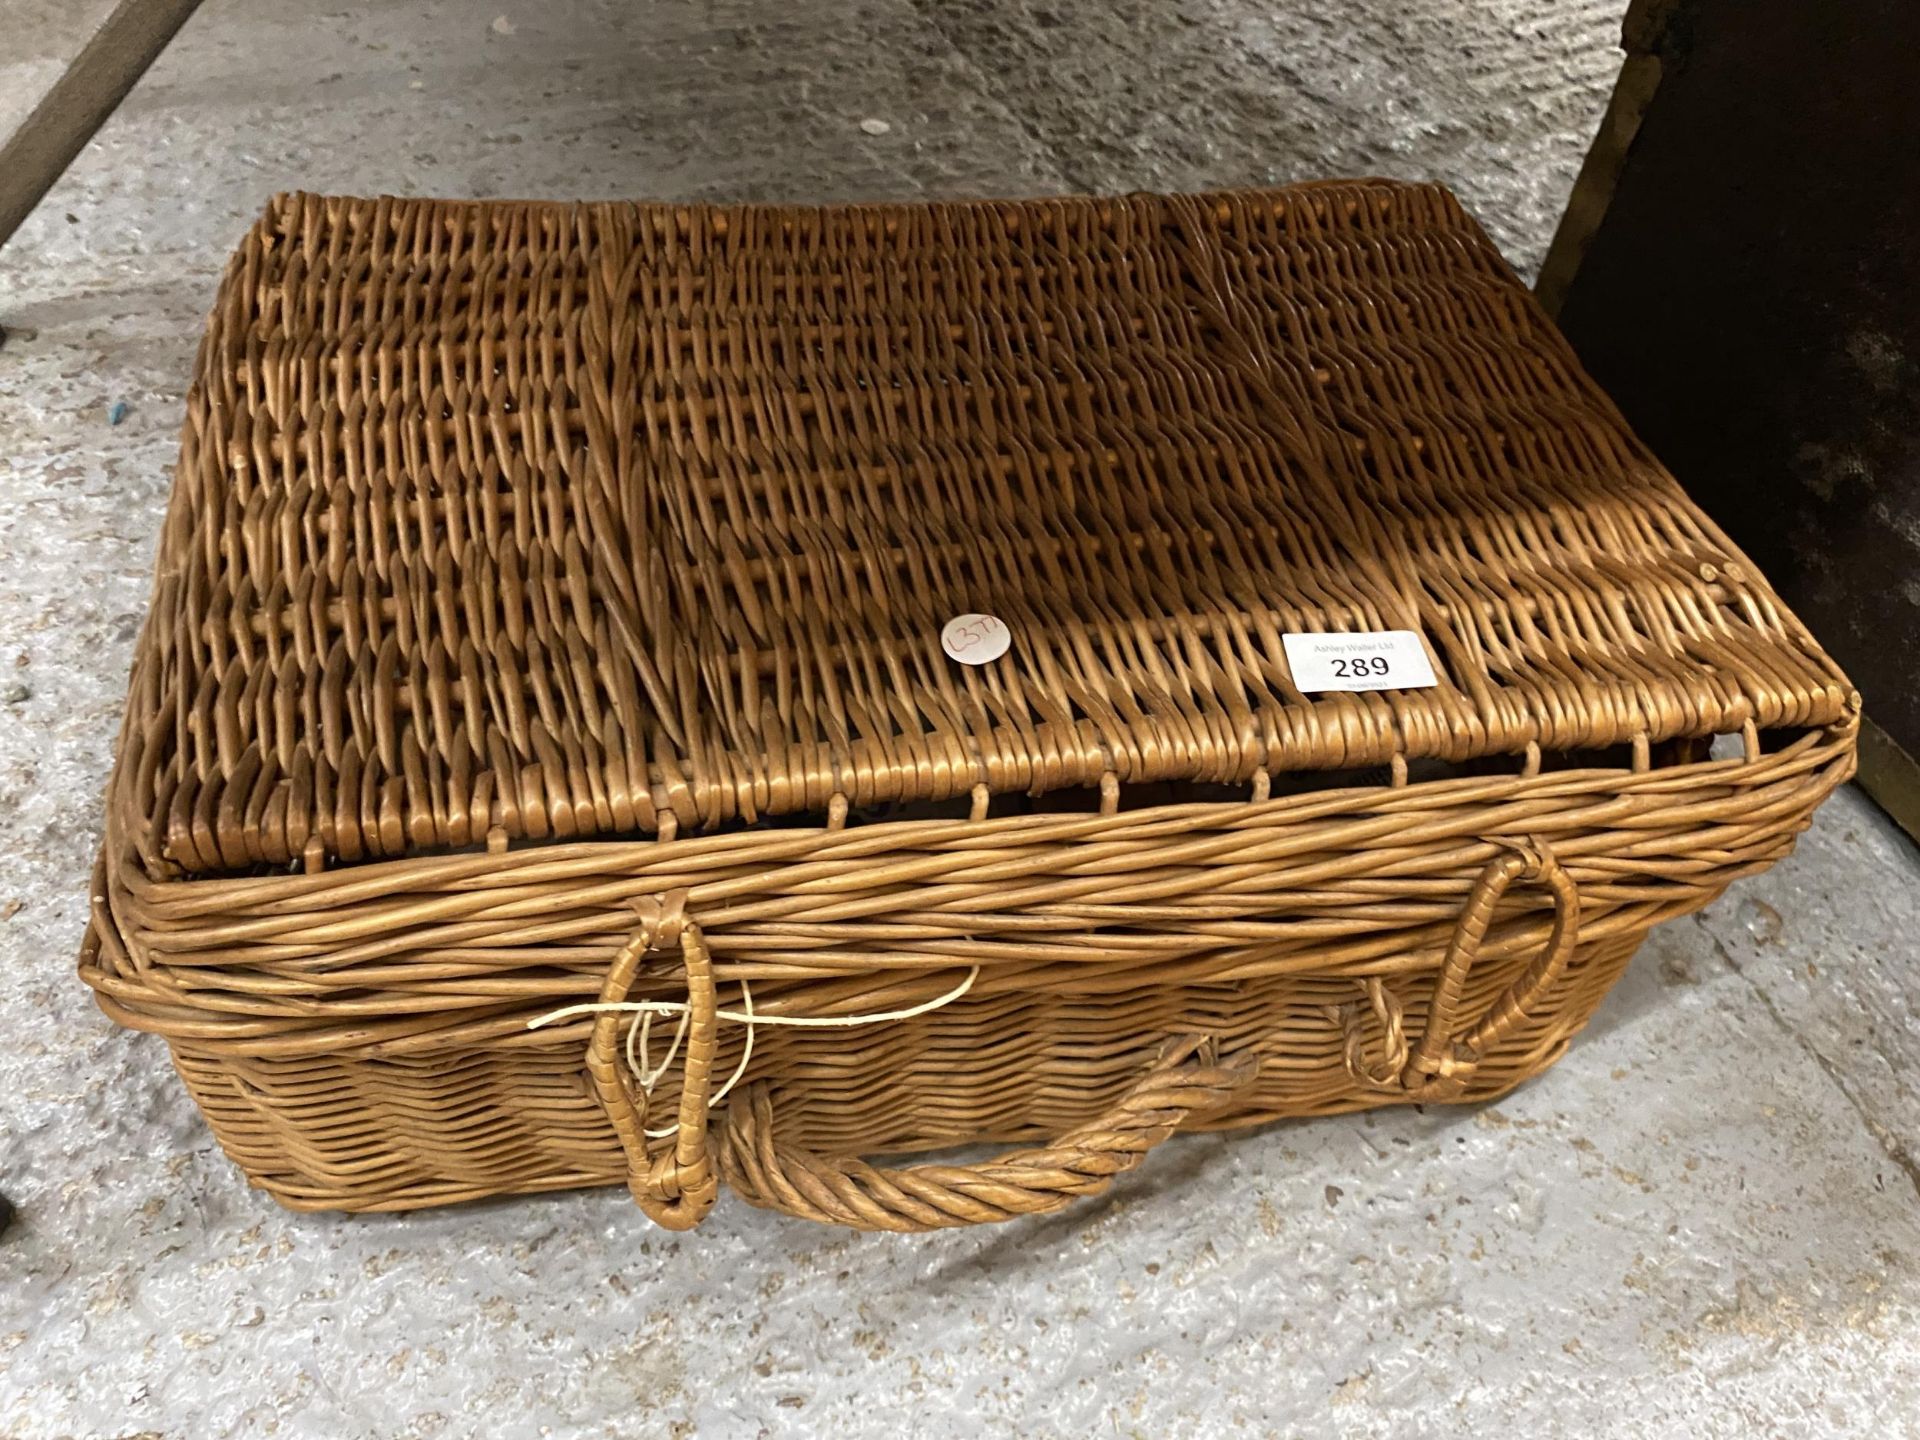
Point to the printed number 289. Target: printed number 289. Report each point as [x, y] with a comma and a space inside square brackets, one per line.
[1358, 667]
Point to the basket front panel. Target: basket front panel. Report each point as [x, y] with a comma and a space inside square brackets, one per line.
[366, 1134]
[364, 1039]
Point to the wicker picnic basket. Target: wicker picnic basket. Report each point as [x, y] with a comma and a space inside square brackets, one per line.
[543, 766]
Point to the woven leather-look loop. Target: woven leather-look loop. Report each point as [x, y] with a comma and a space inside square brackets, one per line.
[1186, 1079]
[676, 1188]
[1444, 1060]
[1384, 1073]
[662, 918]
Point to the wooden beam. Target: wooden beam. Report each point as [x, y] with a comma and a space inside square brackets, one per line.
[1890, 775]
[1735, 270]
[77, 104]
[1642, 35]
[1599, 173]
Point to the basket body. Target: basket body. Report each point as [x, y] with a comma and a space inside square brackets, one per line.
[547, 624]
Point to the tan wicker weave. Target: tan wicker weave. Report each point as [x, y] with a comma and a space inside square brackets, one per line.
[548, 614]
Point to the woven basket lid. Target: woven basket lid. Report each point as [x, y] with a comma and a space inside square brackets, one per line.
[548, 519]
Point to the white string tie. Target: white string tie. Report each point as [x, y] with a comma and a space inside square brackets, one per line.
[646, 1075]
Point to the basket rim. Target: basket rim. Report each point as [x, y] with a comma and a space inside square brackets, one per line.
[1643, 846]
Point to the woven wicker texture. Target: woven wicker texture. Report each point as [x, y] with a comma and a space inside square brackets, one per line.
[555, 517]
[636, 527]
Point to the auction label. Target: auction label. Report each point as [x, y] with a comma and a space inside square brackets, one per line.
[1363, 660]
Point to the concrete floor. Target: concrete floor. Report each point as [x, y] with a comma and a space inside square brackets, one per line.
[1706, 1221]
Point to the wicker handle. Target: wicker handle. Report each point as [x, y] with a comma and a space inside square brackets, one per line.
[1186, 1079]
[1441, 1064]
[677, 1187]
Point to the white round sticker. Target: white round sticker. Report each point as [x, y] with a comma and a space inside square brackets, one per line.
[976, 639]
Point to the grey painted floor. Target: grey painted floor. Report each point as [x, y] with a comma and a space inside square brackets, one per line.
[1706, 1221]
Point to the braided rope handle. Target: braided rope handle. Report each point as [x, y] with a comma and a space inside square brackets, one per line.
[676, 1188]
[1439, 1066]
[1186, 1079]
